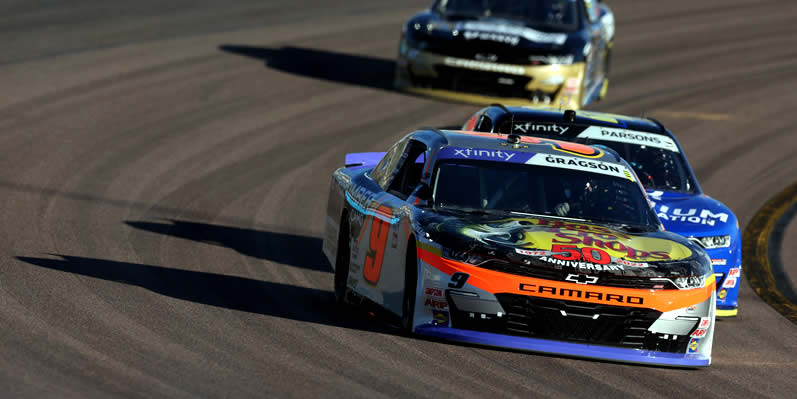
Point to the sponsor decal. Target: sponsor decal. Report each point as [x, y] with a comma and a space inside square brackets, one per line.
[691, 309]
[577, 245]
[735, 272]
[630, 137]
[696, 216]
[719, 262]
[581, 279]
[486, 57]
[539, 127]
[514, 30]
[467, 153]
[631, 264]
[433, 291]
[551, 60]
[431, 276]
[568, 147]
[530, 253]
[699, 333]
[607, 21]
[440, 317]
[491, 36]
[436, 303]
[693, 345]
[705, 322]
[573, 163]
[581, 265]
[730, 282]
[722, 294]
[585, 294]
[484, 66]
[572, 85]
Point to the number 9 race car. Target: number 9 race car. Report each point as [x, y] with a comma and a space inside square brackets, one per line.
[518, 242]
[659, 160]
[512, 51]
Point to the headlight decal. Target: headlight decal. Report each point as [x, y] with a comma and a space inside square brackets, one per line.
[713, 242]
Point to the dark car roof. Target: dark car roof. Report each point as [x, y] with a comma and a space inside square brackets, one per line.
[553, 115]
[494, 141]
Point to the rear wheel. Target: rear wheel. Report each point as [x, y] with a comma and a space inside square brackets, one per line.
[342, 261]
[410, 287]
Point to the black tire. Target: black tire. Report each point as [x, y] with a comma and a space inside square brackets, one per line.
[410, 286]
[342, 261]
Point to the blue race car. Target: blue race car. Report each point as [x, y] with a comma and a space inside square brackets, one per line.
[659, 161]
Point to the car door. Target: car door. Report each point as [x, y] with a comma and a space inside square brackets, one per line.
[378, 263]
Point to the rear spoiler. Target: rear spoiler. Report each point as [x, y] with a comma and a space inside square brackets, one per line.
[363, 159]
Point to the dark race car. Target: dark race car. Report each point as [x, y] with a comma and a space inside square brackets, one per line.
[512, 51]
[458, 235]
[659, 161]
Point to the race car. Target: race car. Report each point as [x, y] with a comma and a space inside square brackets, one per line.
[518, 242]
[512, 51]
[659, 160]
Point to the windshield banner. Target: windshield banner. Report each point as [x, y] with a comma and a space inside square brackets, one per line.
[629, 137]
[585, 165]
[530, 158]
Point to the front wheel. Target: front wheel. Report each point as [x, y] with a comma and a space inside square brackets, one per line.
[410, 288]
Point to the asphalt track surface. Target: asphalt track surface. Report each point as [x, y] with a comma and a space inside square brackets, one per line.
[164, 172]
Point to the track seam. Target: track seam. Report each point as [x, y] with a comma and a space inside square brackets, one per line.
[755, 247]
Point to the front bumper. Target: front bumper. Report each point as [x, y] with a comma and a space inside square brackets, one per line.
[566, 348]
[666, 327]
[485, 82]
[727, 263]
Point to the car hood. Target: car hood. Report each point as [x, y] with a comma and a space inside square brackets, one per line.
[693, 215]
[564, 245]
[490, 34]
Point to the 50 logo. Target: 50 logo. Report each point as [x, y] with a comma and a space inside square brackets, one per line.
[571, 252]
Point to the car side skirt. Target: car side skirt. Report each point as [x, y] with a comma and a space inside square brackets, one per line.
[569, 349]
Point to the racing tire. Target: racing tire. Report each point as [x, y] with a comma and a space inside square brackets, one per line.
[410, 287]
[342, 261]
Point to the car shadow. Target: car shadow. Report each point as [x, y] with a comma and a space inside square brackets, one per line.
[218, 290]
[289, 249]
[332, 66]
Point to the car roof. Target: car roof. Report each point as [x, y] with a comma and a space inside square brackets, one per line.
[555, 115]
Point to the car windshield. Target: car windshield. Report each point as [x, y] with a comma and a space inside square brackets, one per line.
[657, 168]
[558, 15]
[485, 186]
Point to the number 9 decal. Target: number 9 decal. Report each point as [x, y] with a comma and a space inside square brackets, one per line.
[458, 280]
[376, 245]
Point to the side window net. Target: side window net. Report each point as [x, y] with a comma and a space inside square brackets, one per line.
[410, 173]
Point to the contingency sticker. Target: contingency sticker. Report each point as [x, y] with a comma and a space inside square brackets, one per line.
[529, 34]
[630, 137]
[573, 163]
[693, 345]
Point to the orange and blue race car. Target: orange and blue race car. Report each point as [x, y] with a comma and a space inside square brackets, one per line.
[523, 52]
[518, 242]
[659, 161]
